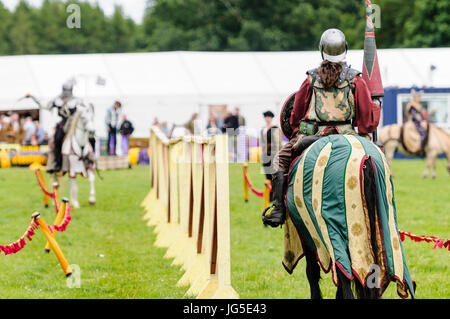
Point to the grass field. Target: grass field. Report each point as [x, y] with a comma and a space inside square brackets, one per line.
[113, 246]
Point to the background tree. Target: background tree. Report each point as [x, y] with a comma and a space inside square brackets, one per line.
[219, 25]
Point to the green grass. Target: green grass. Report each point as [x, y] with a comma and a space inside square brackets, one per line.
[133, 268]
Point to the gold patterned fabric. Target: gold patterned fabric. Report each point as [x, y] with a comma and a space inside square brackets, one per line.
[328, 213]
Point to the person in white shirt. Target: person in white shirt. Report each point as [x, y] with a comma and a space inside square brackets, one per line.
[112, 121]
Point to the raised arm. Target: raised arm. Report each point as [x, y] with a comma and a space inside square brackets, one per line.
[48, 106]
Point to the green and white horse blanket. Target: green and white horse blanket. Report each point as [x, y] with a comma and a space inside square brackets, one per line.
[328, 213]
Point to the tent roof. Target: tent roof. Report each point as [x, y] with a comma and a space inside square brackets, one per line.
[175, 84]
[202, 75]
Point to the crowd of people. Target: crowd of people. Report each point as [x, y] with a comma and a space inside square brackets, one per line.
[21, 130]
[217, 125]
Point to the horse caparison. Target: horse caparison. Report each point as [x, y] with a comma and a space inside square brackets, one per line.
[344, 290]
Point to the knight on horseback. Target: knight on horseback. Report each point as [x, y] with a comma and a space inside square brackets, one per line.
[66, 104]
[333, 99]
[72, 147]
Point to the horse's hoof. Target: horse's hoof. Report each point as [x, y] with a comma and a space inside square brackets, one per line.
[91, 203]
[75, 205]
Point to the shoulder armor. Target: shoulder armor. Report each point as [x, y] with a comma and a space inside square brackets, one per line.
[313, 73]
[348, 73]
[58, 102]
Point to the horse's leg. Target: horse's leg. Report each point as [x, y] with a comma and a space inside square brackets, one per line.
[431, 158]
[344, 290]
[447, 154]
[313, 274]
[389, 149]
[73, 191]
[433, 174]
[91, 176]
[427, 166]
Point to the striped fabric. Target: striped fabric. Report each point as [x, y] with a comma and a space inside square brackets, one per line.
[327, 212]
[112, 162]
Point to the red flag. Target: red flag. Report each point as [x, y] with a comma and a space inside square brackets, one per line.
[371, 70]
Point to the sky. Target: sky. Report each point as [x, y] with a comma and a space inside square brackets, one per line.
[132, 8]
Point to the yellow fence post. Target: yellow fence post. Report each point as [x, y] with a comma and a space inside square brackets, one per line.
[186, 203]
[53, 244]
[245, 169]
[195, 261]
[41, 179]
[152, 196]
[59, 218]
[266, 196]
[56, 199]
[207, 285]
[225, 290]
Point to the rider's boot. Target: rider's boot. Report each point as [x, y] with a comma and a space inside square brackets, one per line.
[277, 216]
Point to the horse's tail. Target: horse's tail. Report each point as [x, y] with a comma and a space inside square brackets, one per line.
[370, 196]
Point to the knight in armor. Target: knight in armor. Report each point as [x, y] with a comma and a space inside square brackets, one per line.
[333, 99]
[66, 104]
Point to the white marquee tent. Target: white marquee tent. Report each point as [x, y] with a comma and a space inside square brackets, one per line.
[173, 85]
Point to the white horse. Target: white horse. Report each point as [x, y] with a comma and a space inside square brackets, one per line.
[78, 154]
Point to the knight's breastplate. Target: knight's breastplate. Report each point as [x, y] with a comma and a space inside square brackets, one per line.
[331, 105]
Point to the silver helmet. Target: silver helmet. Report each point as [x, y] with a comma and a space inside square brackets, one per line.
[67, 89]
[333, 46]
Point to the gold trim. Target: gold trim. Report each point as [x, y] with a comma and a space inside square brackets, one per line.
[322, 252]
[358, 237]
[319, 172]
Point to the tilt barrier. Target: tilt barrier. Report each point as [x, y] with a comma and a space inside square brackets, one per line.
[188, 204]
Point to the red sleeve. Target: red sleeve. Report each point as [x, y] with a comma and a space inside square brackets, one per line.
[301, 104]
[367, 112]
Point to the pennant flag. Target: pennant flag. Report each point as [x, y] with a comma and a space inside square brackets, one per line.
[371, 70]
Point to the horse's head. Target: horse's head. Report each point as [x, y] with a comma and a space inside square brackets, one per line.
[87, 118]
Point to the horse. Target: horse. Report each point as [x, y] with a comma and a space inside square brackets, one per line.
[438, 143]
[78, 153]
[341, 216]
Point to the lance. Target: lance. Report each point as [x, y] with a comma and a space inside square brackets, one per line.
[371, 70]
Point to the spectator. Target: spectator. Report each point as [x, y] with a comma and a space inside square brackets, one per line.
[126, 129]
[155, 122]
[45, 141]
[165, 128]
[30, 129]
[34, 140]
[15, 132]
[112, 125]
[2, 119]
[40, 134]
[4, 122]
[270, 143]
[190, 125]
[231, 122]
[212, 128]
[241, 119]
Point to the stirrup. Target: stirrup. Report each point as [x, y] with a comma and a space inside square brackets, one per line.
[266, 213]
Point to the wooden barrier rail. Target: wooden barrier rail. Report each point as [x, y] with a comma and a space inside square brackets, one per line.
[188, 204]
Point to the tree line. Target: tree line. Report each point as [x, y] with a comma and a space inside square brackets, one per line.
[219, 25]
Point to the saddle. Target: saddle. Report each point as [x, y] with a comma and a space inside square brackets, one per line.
[302, 144]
